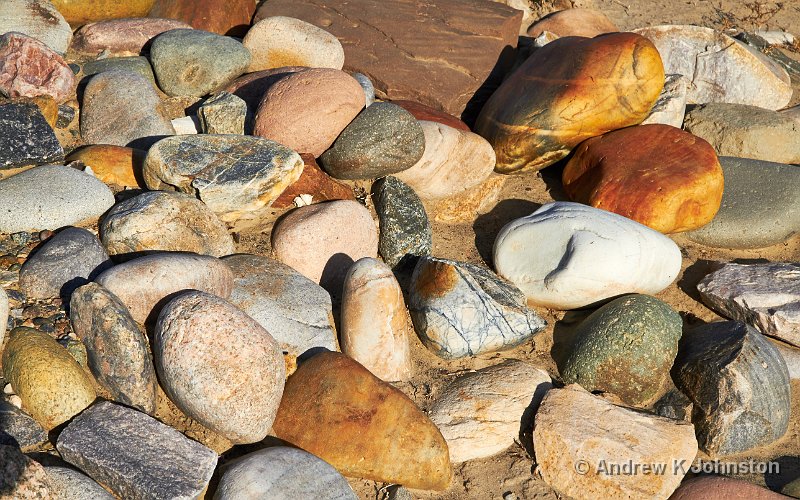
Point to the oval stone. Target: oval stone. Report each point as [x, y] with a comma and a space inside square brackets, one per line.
[219, 366]
[121, 37]
[29, 68]
[657, 175]
[280, 41]
[52, 385]
[113, 164]
[78, 12]
[570, 90]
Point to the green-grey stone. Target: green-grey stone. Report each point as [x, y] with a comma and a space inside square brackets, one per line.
[135, 64]
[404, 225]
[626, 347]
[223, 113]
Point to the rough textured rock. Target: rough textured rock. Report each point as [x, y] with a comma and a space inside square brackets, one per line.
[759, 206]
[426, 113]
[19, 122]
[627, 348]
[219, 366]
[567, 255]
[461, 309]
[19, 429]
[117, 350]
[234, 175]
[229, 18]
[545, 108]
[484, 412]
[313, 181]
[29, 68]
[52, 385]
[720, 68]
[21, 477]
[38, 19]
[78, 12]
[164, 221]
[142, 284]
[739, 384]
[374, 321]
[223, 113]
[133, 64]
[112, 164]
[439, 55]
[670, 108]
[307, 110]
[293, 309]
[405, 231]
[746, 131]
[67, 483]
[578, 438]
[279, 41]
[766, 296]
[574, 22]
[195, 63]
[119, 108]
[121, 37]
[373, 430]
[322, 241]
[51, 197]
[722, 488]
[63, 263]
[135, 455]
[670, 193]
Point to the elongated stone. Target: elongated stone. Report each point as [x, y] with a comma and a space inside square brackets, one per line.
[405, 231]
[18, 123]
[121, 37]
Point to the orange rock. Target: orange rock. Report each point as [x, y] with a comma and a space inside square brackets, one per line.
[574, 22]
[315, 182]
[48, 106]
[113, 164]
[337, 410]
[657, 175]
[231, 17]
[570, 90]
[78, 12]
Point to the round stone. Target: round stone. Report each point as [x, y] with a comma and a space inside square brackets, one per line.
[280, 41]
[37, 19]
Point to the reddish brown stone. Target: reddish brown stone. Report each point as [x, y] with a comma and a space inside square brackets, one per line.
[722, 488]
[315, 182]
[29, 68]
[574, 22]
[121, 37]
[657, 175]
[438, 52]
[423, 112]
[252, 86]
[231, 17]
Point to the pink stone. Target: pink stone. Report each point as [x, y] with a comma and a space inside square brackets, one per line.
[29, 68]
[122, 37]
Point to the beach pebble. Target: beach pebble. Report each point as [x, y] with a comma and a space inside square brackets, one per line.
[405, 231]
[396, 443]
[115, 165]
[233, 19]
[164, 221]
[280, 41]
[29, 68]
[51, 197]
[574, 22]
[375, 324]
[121, 37]
[64, 262]
[142, 284]
[19, 123]
[739, 384]
[135, 455]
[67, 483]
[484, 412]
[19, 428]
[117, 349]
[219, 366]
[21, 477]
[670, 108]
[78, 12]
[38, 19]
[315, 183]
[222, 113]
[454, 161]
[461, 309]
[566, 255]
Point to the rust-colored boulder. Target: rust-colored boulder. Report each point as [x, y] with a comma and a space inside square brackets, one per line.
[657, 175]
[423, 112]
[574, 22]
[337, 410]
[231, 17]
[568, 91]
[113, 164]
[315, 182]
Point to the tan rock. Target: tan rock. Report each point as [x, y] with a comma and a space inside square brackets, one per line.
[574, 22]
[465, 207]
[337, 410]
[38, 19]
[375, 323]
[579, 439]
[116, 165]
[78, 12]
[121, 37]
[52, 385]
[280, 41]
[307, 111]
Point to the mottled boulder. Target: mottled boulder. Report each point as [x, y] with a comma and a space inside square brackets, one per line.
[574, 22]
[405, 231]
[461, 309]
[673, 192]
[121, 37]
[17, 428]
[739, 384]
[229, 18]
[373, 430]
[18, 123]
[38, 19]
[316, 183]
[29, 68]
[20, 477]
[113, 164]
[279, 41]
[116, 348]
[223, 113]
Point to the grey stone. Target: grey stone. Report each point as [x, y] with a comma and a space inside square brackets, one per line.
[404, 226]
[627, 348]
[758, 40]
[746, 131]
[135, 455]
[460, 309]
[133, 64]
[739, 385]
[366, 84]
[765, 296]
[117, 350]
[675, 405]
[123, 109]
[17, 428]
[282, 473]
[67, 483]
[195, 63]
[25, 137]
[51, 197]
[383, 139]
[38, 19]
[71, 258]
[670, 108]
[223, 113]
[791, 355]
[759, 206]
[293, 309]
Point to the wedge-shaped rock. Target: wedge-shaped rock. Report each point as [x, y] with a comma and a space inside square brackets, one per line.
[371, 429]
[671, 105]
